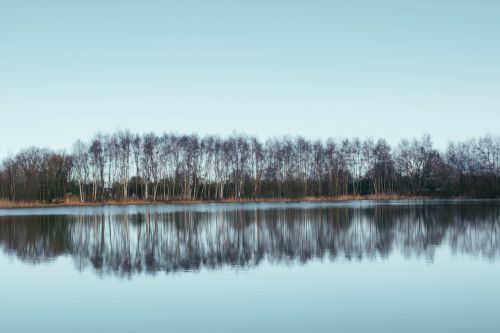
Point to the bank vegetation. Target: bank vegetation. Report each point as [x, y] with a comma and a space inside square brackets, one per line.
[123, 167]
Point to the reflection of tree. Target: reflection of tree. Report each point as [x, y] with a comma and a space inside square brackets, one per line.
[35, 238]
[189, 240]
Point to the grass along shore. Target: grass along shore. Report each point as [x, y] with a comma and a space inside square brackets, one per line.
[8, 204]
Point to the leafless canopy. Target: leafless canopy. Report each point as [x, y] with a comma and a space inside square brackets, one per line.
[123, 165]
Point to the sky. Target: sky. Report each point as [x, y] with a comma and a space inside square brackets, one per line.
[320, 69]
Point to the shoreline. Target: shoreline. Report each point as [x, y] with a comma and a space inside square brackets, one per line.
[5, 204]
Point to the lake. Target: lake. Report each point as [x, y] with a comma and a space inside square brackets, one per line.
[357, 266]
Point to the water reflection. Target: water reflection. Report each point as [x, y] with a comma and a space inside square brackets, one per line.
[170, 241]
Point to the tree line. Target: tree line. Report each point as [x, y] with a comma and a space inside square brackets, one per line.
[151, 167]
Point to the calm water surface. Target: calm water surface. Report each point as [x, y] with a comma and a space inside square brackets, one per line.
[398, 266]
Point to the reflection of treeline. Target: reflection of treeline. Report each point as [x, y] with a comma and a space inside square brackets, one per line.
[187, 167]
[190, 240]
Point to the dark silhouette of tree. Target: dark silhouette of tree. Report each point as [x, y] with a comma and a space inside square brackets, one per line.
[121, 165]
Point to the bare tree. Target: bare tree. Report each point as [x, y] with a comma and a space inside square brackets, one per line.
[187, 167]
[96, 152]
[125, 140]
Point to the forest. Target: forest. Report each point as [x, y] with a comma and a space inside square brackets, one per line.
[124, 166]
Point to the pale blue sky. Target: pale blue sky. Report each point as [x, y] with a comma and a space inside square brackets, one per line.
[316, 68]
